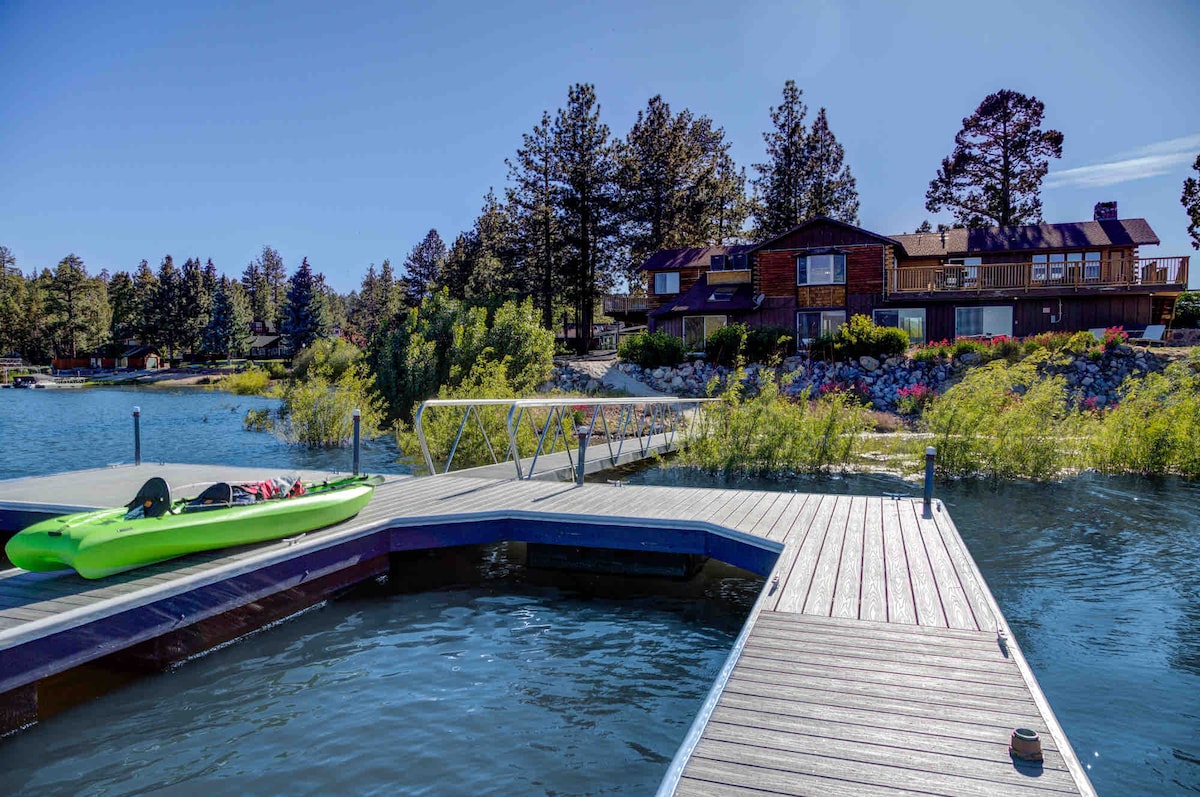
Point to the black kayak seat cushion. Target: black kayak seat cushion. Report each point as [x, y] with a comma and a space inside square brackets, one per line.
[154, 498]
[216, 496]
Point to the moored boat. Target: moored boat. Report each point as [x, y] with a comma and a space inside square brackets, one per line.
[152, 528]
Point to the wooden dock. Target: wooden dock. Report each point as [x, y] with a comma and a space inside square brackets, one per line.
[870, 664]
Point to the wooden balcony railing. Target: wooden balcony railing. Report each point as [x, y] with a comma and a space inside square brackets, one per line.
[1073, 275]
[626, 304]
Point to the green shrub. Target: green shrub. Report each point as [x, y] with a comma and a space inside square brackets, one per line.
[277, 370]
[1004, 421]
[724, 346]
[652, 349]
[859, 337]
[1187, 309]
[770, 435]
[329, 358]
[252, 382]
[1081, 342]
[768, 344]
[1155, 427]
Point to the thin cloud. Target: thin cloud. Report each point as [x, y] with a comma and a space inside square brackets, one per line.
[1151, 160]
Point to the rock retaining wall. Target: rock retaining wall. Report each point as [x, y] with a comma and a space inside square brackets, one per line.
[1091, 379]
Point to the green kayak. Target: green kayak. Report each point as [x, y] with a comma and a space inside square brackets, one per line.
[152, 528]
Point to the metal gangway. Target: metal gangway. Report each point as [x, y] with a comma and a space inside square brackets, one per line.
[556, 433]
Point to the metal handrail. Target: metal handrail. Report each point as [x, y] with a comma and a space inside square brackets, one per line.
[639, 419]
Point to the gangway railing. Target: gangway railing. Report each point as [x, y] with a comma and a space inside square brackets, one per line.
[534, 428]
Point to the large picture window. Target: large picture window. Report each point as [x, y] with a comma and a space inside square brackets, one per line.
[975, 321]
[666, 282]
[821, 270]
[911, 320]
[812, 324]
[697, 328]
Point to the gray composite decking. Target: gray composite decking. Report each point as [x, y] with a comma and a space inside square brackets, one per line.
[870, 664]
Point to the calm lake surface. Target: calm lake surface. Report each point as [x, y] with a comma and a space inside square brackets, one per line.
[505, 687]
[49, 431]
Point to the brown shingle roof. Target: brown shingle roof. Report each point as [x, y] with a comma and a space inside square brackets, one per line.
[672, 259]
[1073, 235]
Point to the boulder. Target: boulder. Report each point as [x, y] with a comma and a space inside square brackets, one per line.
[869, 364]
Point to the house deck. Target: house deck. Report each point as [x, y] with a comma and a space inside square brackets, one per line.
[869, 665]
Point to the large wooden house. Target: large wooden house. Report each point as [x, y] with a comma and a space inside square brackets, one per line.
[1014, 281]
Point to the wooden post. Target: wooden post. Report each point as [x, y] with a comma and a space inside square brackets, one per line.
[357, 427]
[137, 435]
[930, 457]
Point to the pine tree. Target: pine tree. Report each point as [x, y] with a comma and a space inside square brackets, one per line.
[532, 197]
[925, 227]
[586, 192]
[481, 264]
[228, 330]
[365, 312]
[424, 267]
[163, 309]
[678, 186]
[781, 185]
[1001, 155]
[77, 308]
[13, 298]
[195, 306]
[829, 189]
[275, 275]
[1191, 204]
[145, 286]
[123, 299]
[304, 318]
[258, 293]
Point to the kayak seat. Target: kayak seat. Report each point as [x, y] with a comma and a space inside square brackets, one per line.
[216, 496]
[154, 499]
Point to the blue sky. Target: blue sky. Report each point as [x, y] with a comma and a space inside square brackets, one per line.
[344, 131]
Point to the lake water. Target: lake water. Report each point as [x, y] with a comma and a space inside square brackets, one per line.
[49, 431]
[506, 688]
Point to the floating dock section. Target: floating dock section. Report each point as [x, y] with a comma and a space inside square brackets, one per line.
[875, 661]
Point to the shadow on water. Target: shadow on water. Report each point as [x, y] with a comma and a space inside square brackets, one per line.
[465, 674]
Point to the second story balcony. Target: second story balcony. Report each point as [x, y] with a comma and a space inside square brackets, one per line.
[1051, 276]
[620, 304]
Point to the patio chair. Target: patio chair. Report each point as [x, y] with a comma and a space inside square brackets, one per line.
[1153, 334]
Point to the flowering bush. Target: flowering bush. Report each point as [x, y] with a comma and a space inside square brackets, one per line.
[911, 400]
[1114, 337]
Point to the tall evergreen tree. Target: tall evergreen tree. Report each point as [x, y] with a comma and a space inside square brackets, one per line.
[533, 199]
[365, 313]
[829, 189]
[781, 185]
[424, 267]
[78, 308]
[275, 275]
[391, 293]
[1001, 155]
[195, 306]
[123, 299]
[145, 286]
[258, 293]
[305, 318]
[164, 312]
[228, 330]
[586, 191]
[678, 186]
[1191, 204]
[481, 264]
[13, 299]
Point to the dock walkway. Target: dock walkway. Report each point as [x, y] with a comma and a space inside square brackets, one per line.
[870, 664]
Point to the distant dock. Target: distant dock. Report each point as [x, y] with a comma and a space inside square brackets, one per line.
[874, 662]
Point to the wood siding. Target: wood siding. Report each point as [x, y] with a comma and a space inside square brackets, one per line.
[1032, 315]
[687, 278]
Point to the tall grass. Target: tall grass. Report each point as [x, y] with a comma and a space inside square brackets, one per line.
[1156, 427]
[769, 434]
[1004, 421]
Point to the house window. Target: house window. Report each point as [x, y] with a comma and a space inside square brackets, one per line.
[911, 320]
[1091, 265]
[666, 282]
[821, 270]
[1057, 265]
[717, 263]
[697, 328]
[722, 294]
[812, 324]
[975, 321]
[1039, 268]
[962, 272]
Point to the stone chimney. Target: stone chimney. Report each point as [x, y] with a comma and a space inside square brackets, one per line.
[1105, 211]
